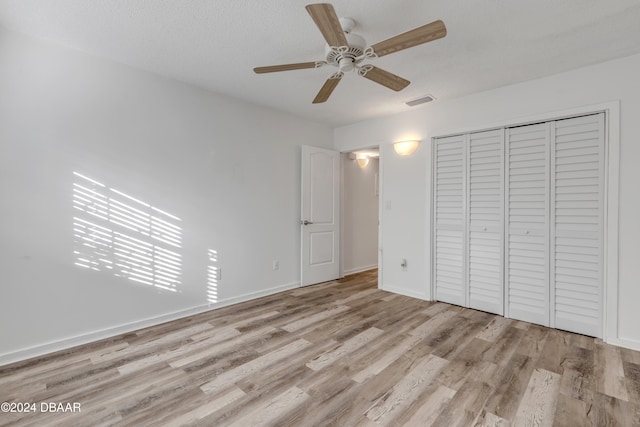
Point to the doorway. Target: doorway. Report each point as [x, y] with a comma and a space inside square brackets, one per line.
[360, 211]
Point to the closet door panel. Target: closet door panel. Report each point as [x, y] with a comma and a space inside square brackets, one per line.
[449, 219]
[485, 227]
[577, 224]
[526, 216]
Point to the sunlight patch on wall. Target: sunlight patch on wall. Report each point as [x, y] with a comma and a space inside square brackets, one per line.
[116, 232]
[213, 276]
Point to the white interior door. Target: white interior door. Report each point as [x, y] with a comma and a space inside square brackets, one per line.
[320, 215]
[527, 218]
[577, 221]
[468, 184]
[449, 220]
[484, 227]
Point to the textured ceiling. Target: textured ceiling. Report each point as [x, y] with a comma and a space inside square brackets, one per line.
[215, 44]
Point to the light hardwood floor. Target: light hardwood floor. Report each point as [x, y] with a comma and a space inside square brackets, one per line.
[341, 353]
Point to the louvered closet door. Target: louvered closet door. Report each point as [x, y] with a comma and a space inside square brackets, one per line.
[485, 228]
[526, 214]
[449, 219]
[577, 224]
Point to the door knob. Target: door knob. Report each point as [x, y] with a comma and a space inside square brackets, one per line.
[305, 222]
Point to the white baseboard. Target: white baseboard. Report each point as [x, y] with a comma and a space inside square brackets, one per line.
[63, 344]
[405, 292]
[360, 269]
[626, 343]
[254, 295]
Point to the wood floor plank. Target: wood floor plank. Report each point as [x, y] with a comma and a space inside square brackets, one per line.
[487, 419]
[538, 405]
[31, 373]
[533, 341]
[339, 404]
[258, 388]
[358, 296]
[571, 411]
[453, 336]
[310, 320]
[180, 354]
[409, 388]
[390, 297]
[494, 329]
[228, 340]
[613, 382]
[273, 409]
[332, 328]
[463, 364]
[376, 387]
[181, 335]
[577, 385]
[433, 323]
[609, 411]
[204, 406]
[231, 376]
[632, 377]
[511, 385]
[241, 325]
[401, 319]
[463, 408]
[628, 355]
[125, 392]
[341, 353]
[429, 407]
[504, 345]
[382, 361]
[554, 351]
[280, 376]
[437, 307]
[350, 345]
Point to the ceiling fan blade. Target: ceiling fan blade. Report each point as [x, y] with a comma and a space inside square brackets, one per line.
[324, 15]
[385, 78]
[327, 88]
[429, 32]
[285, 67]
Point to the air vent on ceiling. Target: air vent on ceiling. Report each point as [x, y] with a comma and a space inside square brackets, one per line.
[421, 100]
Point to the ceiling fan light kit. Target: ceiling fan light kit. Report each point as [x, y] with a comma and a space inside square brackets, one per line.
[347, 51]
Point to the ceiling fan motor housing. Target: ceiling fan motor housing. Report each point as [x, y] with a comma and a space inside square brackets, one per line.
[344, 57]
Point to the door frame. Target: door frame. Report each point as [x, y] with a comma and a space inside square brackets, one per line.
[342, 211]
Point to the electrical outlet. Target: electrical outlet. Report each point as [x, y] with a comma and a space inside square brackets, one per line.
[276, 265]
[403, 264]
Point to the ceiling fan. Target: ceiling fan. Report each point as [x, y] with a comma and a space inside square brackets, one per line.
[347, 51]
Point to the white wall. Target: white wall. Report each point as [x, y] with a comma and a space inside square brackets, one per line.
[615, 81]
[360, 215]
[403, 218]
[228, 169]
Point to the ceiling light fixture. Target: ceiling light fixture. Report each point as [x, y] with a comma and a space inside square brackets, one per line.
[362, 160]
